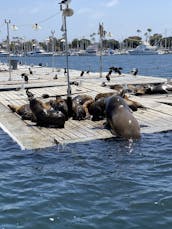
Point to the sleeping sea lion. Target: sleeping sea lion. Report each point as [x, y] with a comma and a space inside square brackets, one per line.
[157, 89]
[24, 111]
[120, 119]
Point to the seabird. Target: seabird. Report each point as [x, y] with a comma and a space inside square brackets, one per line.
[30, 71]
[55, 77]
[108, 77]
[29, 94]
[25, 76]
[82, 73]
[103, 84]
[116, 69]
[134, 71]
[65, 71]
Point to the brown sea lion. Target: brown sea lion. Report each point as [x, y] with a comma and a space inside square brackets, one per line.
[120, 119]
[24, 111]
[104, 95]
[156, 89]
[60, 104]
[132, 104]
[79, 112]
[46, 117]
[97, 109]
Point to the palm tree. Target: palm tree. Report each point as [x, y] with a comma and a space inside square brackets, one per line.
[149, 32]
[138, 31]
[146, 36]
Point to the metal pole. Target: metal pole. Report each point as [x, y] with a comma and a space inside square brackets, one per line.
[53, 32]
[67, 12]
[100, 57]
[67, 59]
[8, 46]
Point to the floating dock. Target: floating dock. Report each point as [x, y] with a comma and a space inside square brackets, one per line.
[157, 116]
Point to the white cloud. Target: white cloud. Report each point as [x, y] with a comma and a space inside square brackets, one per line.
[112, 3]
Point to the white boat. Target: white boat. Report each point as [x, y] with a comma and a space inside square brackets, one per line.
[144, 49]
[91, 50]
[38, 52]
[3, 53]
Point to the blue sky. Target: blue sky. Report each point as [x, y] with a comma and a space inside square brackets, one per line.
[120, 17]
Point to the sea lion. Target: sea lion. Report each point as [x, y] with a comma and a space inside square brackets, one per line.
[24, 111]
[97, 109]
[104, 95]
[120, 119]
[132, 104]
[46, 117]
[79, 113]
[60, 104]
[156, 89]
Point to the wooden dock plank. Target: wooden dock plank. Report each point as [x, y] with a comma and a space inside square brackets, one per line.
[23, 135]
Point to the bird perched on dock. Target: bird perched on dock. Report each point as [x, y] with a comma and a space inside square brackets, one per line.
[25, 76]
[108, 75]
[55, 77]
[29, 94]
[103, 84]
[116, 69]
[65, 71]
[30, 71]
[88, 72]
[134, 71]
[82, 73]
[74, 83]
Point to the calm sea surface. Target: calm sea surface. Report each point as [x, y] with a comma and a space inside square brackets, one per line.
[102, 184]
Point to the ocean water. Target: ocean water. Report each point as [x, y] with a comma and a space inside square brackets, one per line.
[102, 184]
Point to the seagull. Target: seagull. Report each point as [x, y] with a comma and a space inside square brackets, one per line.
[134, 71]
